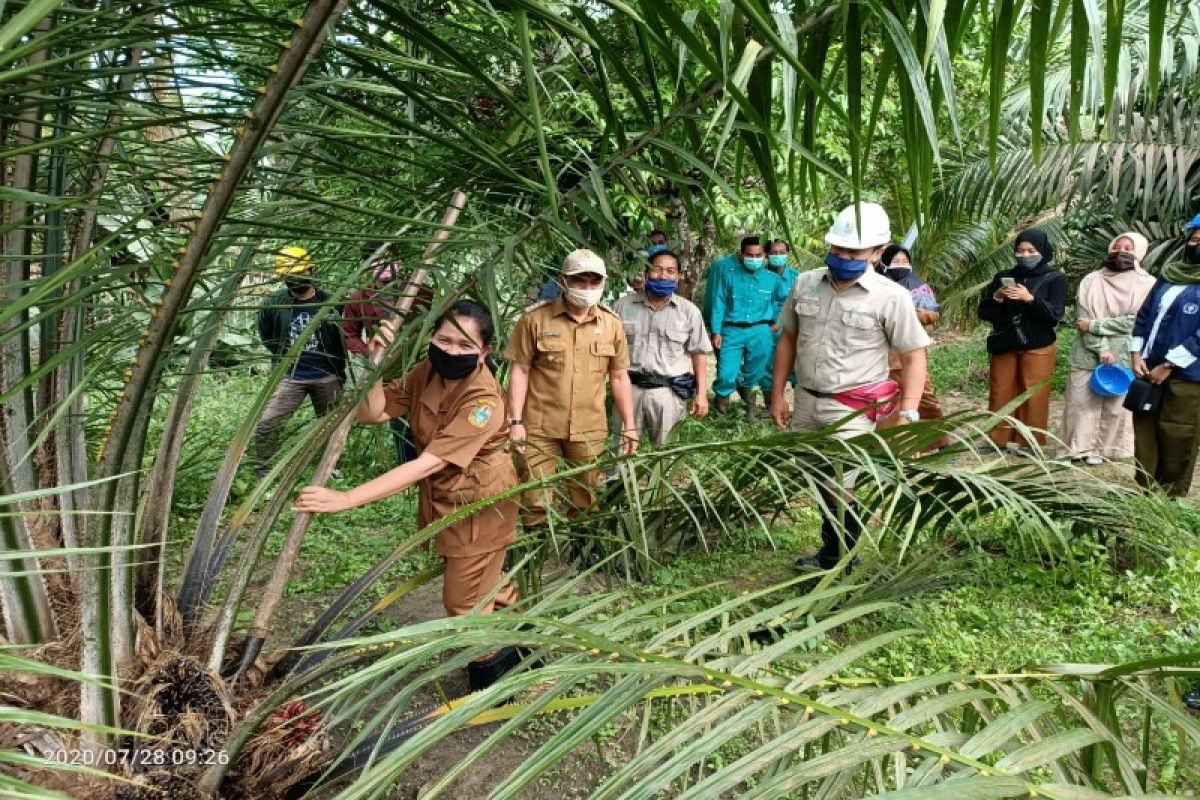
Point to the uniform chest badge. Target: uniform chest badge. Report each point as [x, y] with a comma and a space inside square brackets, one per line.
[481, 415]
[1191, 308]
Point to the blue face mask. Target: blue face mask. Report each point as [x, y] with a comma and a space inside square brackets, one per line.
[655, 249]
[753, 264]
[661, 287]
[845, 269]
[778, 260]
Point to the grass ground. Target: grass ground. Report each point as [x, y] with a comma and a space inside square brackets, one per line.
[992, 608]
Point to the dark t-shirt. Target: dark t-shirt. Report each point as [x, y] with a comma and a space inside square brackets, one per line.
[313, 363]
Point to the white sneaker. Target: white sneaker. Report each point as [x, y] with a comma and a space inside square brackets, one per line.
[1093, 461]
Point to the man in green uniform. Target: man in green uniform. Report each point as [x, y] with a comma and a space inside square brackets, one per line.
[779, 254]
[744, 303]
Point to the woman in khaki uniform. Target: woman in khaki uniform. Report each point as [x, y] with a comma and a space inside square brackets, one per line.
[456, 410]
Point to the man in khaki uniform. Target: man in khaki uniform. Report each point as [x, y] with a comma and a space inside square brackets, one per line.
[668, 347]
[561, 352]
[838, 326]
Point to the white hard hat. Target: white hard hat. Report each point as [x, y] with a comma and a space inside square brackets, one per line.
[871, 228]
[579, 262]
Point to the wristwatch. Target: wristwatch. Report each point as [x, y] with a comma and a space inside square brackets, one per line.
[512, 422]
[911, 415]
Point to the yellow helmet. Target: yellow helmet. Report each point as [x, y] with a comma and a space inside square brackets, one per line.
[292, 260]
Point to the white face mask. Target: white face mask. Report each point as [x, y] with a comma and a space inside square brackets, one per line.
[584, 298]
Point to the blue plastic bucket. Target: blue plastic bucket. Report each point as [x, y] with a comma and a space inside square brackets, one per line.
[1111, 380]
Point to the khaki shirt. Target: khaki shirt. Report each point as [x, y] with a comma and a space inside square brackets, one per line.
[568, 363]
[842, 338]
[465, 425]
[663, 341]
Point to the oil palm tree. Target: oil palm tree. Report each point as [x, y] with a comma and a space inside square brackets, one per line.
[1078, 152]
[151, 153]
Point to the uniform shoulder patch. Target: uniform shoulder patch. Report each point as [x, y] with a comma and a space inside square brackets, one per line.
[481, 414]
[537, 305]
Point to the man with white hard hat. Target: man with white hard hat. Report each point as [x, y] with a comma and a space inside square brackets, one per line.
[838, 325]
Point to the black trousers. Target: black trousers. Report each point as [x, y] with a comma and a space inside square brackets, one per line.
[831, 544]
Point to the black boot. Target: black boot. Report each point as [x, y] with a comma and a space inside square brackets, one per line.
[752, 410]
[831, 545]
[486, 671]
[721, 404]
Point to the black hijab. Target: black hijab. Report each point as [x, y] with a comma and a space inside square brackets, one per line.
[1038, 238]
[906, 277]
[891, 251]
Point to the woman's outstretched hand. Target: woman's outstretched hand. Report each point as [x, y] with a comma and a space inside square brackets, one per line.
[319, 500]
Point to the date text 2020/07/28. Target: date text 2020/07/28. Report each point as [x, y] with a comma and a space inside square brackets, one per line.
[139, 757]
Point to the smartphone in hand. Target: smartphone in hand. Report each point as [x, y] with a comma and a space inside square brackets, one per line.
[1008, 281]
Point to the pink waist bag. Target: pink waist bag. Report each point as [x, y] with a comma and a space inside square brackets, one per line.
[878, 398]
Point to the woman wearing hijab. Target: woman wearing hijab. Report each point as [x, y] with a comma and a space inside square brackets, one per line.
[1023, 304]
[1096, 428]
[1165, 351]
[896, 263]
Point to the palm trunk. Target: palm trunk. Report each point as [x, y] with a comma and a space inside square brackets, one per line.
[99, 705]
[157, 512]
[26, 600]
[52, 259]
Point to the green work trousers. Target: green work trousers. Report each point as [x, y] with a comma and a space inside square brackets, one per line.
[1165, 444]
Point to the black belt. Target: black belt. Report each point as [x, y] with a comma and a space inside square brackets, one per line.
[749, 324]
[684, 386]
[815, 393]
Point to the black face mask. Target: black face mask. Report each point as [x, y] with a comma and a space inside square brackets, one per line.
[451, 367]
[1191, 253]
[898, 273]
[299, 285]
[1120, 262]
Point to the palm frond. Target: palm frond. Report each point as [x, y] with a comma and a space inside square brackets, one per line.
[798, 725]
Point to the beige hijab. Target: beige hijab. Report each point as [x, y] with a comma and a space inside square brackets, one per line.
[1105, 294]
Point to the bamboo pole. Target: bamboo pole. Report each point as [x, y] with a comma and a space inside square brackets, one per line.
[282, 572]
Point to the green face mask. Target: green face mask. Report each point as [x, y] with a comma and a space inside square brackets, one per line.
[753, 264]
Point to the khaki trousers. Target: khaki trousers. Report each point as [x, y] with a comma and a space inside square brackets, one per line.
[811, 414]
[1011, 375]
[469, 579]
[656, 412]
[288, 396]
[1093, 425]
[540, 460]
[1165, 444]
